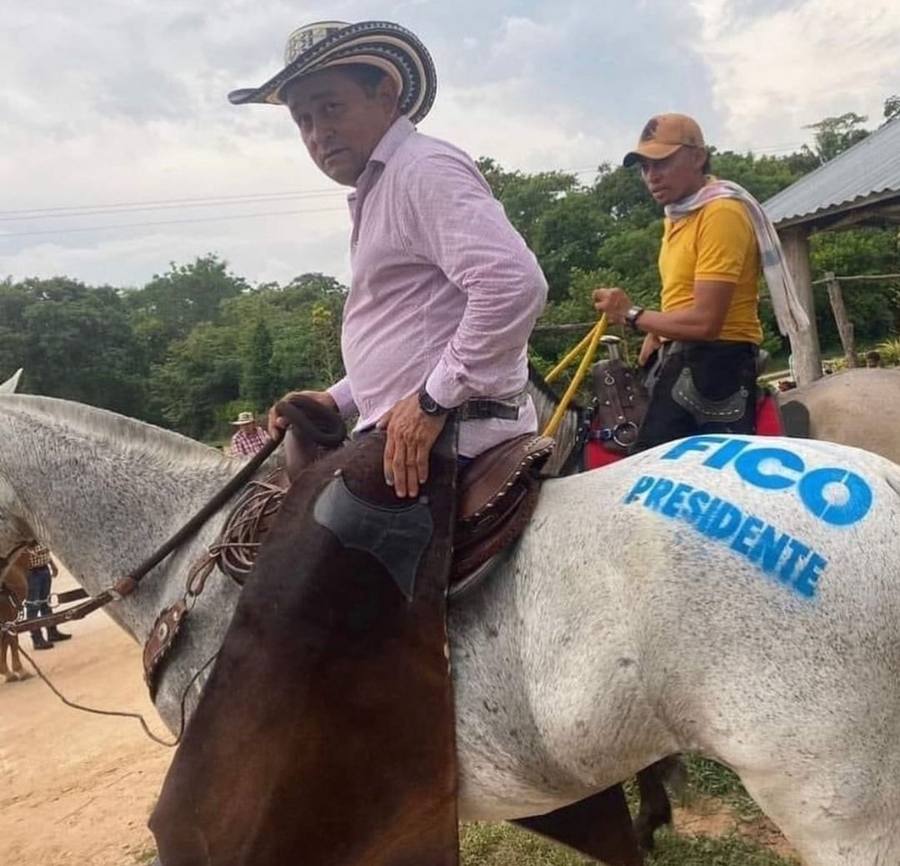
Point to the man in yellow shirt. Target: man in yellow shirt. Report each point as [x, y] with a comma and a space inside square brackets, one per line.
[701, 347]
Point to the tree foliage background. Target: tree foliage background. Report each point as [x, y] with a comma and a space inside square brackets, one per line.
[199, 343]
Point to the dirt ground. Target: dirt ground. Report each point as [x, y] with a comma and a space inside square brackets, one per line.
[78, 788]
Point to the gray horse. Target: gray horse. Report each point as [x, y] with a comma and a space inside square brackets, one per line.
[726, 595]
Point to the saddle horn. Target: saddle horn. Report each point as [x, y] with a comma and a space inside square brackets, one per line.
[313, 428]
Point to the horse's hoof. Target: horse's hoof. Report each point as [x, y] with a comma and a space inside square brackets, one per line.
[10, 678]
[24, 675]
[645, 837]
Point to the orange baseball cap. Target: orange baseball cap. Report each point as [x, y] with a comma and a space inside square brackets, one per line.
[663, 135]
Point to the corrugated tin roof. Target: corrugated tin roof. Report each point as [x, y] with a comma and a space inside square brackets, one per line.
[868, 170]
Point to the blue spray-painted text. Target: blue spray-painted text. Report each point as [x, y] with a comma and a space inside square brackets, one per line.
[836, 496]
[777, 553]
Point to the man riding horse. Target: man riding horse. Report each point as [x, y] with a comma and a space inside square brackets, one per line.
[443, 292]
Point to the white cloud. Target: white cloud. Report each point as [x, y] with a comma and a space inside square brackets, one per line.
[110, 102]
[783, 69]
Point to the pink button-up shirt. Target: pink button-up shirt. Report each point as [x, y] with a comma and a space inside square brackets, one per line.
[443, 290]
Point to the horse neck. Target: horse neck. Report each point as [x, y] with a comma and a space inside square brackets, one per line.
[104, 492]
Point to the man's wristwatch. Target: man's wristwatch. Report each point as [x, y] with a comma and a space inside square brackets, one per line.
[429, 405]
[632, 316]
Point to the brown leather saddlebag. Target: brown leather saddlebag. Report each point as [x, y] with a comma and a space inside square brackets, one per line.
[619, 404]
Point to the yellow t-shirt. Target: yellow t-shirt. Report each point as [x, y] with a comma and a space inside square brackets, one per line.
[716, 242]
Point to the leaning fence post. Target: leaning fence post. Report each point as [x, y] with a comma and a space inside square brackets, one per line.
[844, 325]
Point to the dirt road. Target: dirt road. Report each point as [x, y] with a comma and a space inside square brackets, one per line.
[77, 788]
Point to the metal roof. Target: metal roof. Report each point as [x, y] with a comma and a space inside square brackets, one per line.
[864, 174]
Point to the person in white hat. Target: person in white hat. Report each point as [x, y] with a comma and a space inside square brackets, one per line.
[249, 436]
[444, 292]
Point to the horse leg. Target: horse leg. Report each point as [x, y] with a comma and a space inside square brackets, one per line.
[834, 819]
[4, 670]
[655, 810]
[18, 670]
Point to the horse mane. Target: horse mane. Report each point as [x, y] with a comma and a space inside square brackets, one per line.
[101, 424]
[539, 383]
[545, 403]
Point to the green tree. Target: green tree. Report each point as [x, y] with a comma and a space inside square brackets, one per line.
[172, 303]
[526, 198]
[834, 135]
[74, 341]
[257, 385]
[201, 374]
[762, 176]
[871, 306]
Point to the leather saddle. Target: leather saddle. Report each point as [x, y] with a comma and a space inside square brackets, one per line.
[497, 494]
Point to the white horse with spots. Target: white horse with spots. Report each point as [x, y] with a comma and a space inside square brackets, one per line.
[732, 596]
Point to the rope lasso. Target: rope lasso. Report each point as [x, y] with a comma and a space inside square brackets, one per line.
[589, 347]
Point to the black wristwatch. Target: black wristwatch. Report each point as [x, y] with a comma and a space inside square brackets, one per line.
[632, 316]
[429, 405]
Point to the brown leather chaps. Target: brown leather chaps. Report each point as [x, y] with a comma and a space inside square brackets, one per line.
[325, 736]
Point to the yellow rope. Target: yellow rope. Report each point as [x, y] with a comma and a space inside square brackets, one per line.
[555, 373]
[590, 341]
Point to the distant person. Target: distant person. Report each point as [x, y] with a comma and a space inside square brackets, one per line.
[249, 437]
[41, 571]
[873, 359]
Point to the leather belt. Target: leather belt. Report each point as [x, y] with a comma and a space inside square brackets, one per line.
[673, 347]
[479, 408]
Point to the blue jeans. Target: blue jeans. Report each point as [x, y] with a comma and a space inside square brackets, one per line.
[37, 602]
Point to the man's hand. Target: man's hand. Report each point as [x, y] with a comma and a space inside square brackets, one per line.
[277, 424]
[411, 434]
[648, 347]
[614, 302]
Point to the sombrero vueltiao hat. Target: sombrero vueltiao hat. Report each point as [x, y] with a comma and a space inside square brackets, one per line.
[326, 44]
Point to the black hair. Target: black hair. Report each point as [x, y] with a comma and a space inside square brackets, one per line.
[368, 77]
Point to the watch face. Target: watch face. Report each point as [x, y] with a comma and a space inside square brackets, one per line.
[428, 404]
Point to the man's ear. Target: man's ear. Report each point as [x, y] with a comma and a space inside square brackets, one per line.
[699, 156]
[388, 95]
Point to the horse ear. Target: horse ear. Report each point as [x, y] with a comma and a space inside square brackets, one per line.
[9, 386]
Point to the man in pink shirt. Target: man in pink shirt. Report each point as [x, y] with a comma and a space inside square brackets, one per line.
[444, 293]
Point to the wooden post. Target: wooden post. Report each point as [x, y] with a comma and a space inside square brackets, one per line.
[807, 358]
[844, 325]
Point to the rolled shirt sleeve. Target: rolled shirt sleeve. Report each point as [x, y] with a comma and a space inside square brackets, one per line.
[465, 232]
[342, 395]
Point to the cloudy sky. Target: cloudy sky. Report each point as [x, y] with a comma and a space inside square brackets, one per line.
[121, 154]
